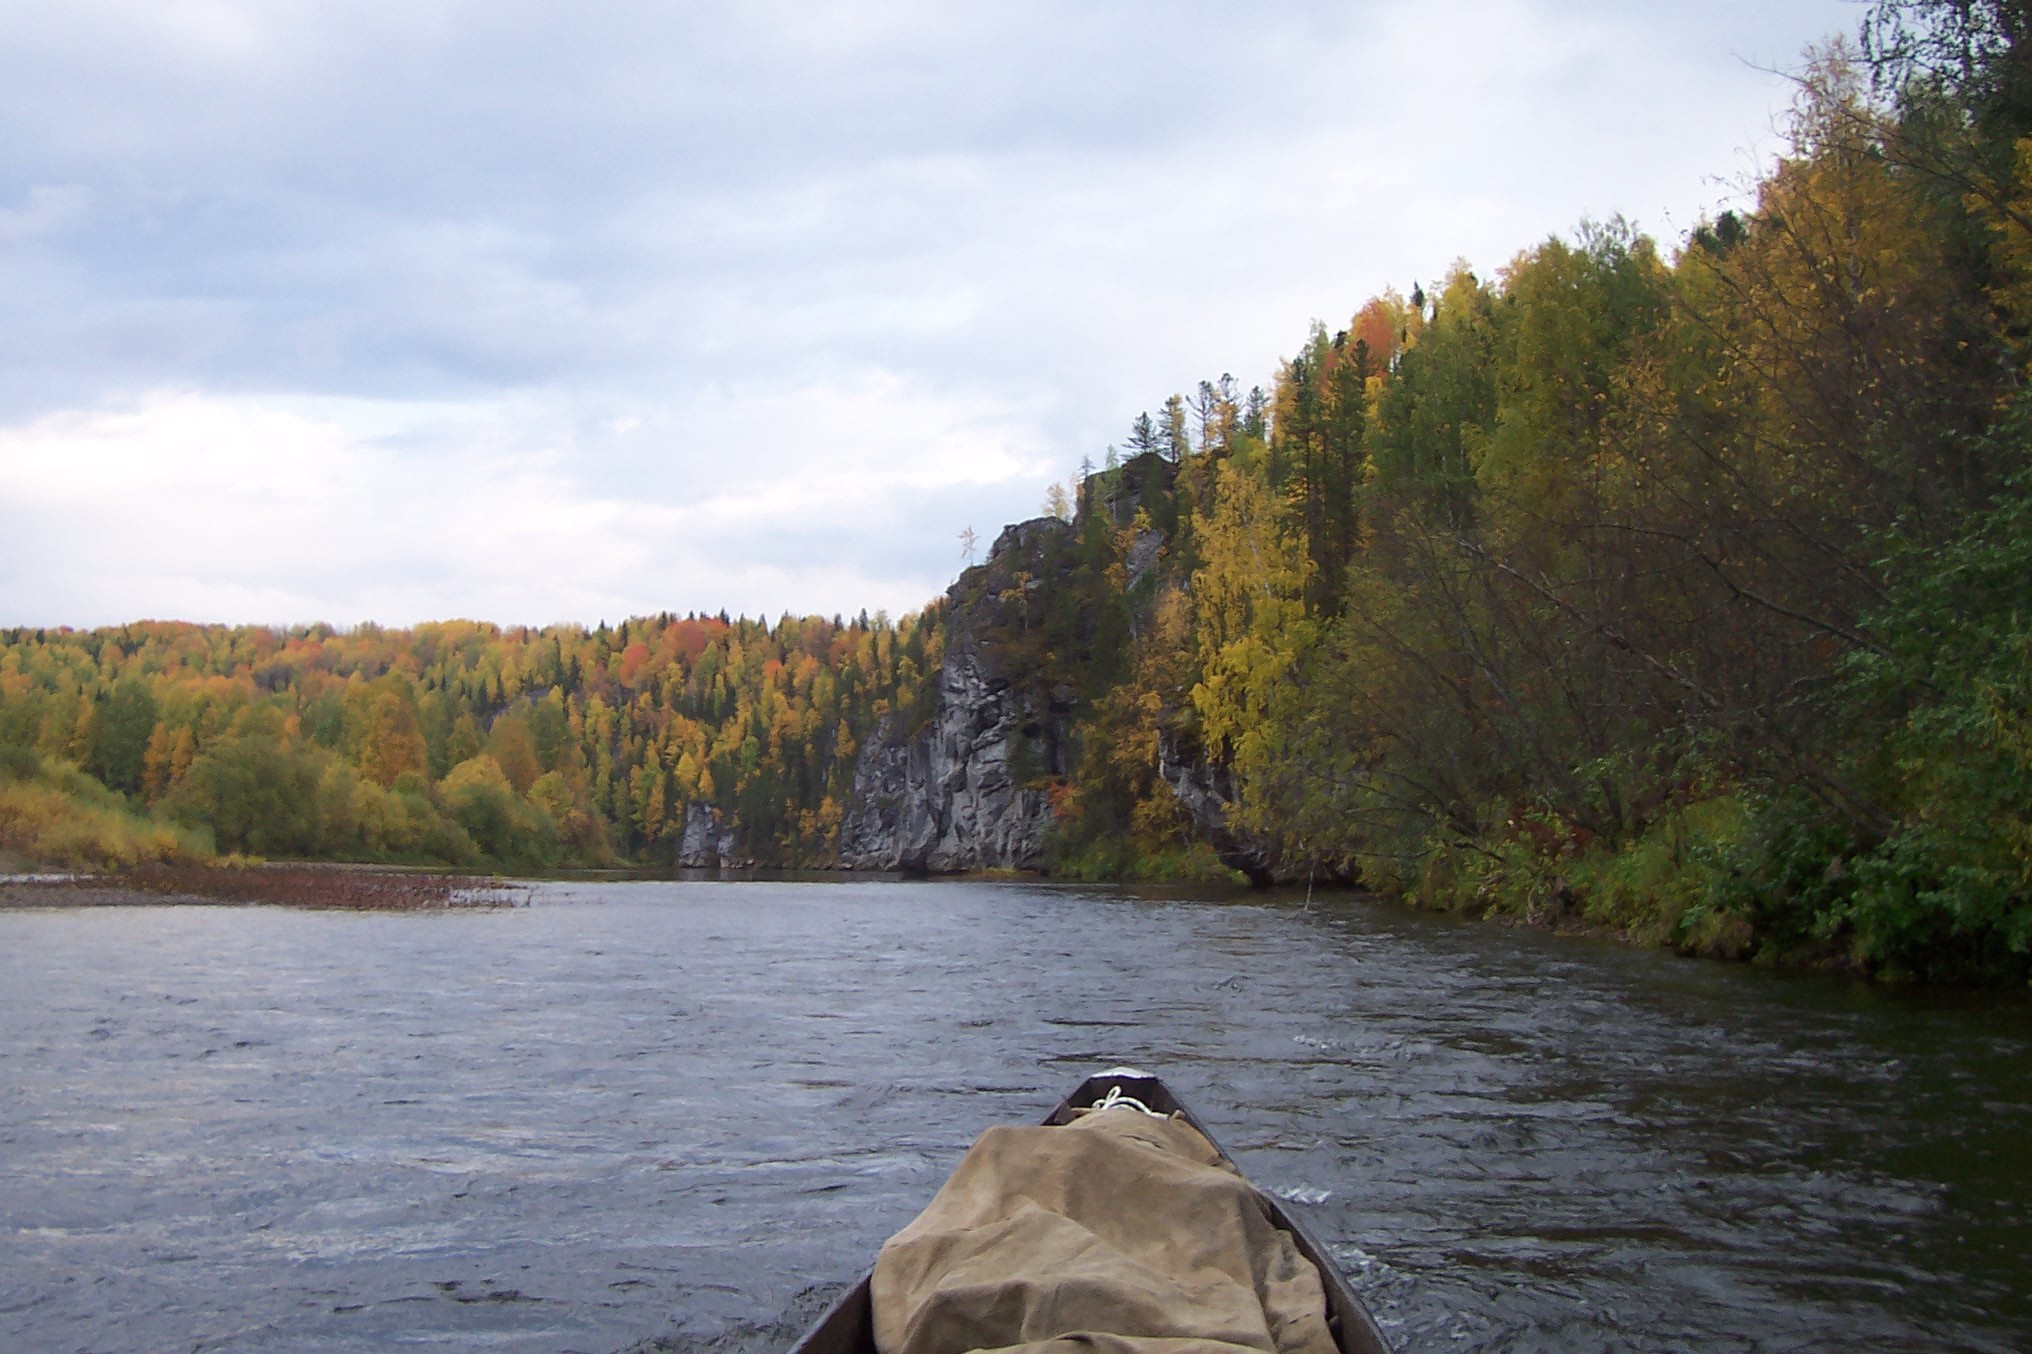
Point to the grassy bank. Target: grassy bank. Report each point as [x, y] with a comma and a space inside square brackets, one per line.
[52, 814]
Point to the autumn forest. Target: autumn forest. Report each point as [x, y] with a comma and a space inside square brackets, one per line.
[1676, 589]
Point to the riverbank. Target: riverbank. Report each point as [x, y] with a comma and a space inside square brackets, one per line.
[1564, 909]
[1583, 907]
[320, 887]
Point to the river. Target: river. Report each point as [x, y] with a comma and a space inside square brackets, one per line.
[679, 1116]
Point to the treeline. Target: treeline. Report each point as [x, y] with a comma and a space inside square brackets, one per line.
[1687, 592]
[459, 744]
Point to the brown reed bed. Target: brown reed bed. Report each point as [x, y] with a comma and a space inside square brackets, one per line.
[310, 886]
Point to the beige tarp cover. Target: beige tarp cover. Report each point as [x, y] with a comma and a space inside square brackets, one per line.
[1120, 1233]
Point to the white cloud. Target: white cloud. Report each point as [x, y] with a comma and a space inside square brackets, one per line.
[192, 506]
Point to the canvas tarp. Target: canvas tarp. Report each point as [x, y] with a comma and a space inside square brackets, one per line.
[1120, 1233]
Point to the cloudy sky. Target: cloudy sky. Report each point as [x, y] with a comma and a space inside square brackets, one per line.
[536, 312]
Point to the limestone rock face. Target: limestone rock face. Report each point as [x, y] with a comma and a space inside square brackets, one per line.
[958, 789]
[942, 799]
[1207, 794]
[707, 842]
[954, 794]
[1143, 553]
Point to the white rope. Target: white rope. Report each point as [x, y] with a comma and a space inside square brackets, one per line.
[1115, 1100]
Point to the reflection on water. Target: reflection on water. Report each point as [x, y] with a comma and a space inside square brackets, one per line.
[681, 1115]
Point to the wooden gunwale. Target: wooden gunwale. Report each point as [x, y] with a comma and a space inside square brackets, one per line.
[848, 1326]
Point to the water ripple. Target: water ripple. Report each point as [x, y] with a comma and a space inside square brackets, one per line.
[682, 1116]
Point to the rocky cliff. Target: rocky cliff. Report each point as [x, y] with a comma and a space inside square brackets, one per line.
[707, 842]
[962, 787]
[962, 791]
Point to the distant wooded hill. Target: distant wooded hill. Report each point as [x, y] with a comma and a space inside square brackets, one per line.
[458, 743]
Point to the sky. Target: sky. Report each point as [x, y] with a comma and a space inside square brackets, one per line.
[534, 313]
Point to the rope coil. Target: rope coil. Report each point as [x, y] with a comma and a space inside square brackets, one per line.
[1115, 1100]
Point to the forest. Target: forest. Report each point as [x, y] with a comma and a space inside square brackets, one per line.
[454, 744]
[1679, 591]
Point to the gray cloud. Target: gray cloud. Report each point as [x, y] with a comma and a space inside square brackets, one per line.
[1002, 228]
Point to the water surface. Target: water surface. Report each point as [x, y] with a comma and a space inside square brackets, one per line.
[682, 1115]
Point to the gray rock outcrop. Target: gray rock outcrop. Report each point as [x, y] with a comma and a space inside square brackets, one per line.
[960, 788]
[957, 793]
[943, 799]
[1206, 793]
[707, 842]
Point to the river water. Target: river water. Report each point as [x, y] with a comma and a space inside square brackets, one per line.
[681, 1116]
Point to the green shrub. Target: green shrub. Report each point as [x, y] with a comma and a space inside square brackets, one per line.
[59, 816]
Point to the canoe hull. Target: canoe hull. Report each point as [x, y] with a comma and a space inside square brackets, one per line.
[848, 1327]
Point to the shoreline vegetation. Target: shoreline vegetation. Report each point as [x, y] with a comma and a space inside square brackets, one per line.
[1675, 592]
[329, 886]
